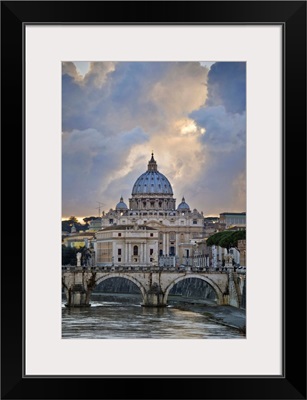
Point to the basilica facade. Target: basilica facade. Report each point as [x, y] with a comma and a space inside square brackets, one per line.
[151, 230]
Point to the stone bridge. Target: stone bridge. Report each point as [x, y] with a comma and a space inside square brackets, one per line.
[154, 283]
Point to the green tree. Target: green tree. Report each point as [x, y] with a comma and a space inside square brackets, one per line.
[69, 255]
[66, 226]
[226, 239]
[89, 219]
[68, 223]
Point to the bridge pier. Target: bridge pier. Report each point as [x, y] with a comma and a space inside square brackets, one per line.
[78, 293]
[234, 296]
[77, 297]
[154, 297]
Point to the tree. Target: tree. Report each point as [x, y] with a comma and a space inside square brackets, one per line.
[69, 255]
[226, 239]
[89, 219]
[67, 224]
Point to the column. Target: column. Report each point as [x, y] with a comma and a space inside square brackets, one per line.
[168, 243]
[145, 252]
[177, 243]
[164, 239]
[141, 253]
[126, 252]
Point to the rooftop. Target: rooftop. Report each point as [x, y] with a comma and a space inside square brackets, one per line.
[233, 213]
[127, 227]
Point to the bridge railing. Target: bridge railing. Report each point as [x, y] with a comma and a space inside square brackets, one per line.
[132, 269]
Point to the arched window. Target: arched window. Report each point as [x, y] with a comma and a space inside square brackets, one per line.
[135, 250]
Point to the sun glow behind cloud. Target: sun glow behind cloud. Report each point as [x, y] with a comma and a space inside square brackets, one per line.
[116, 113]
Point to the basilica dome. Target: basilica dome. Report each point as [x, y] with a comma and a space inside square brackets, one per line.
[183, 205]
[152, 181]
[121, 205]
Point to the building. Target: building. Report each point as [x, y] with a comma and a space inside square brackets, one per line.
[152, 211]
[78, 240]
[126, 245]
[233, 219]
[94, 225]
[212, 225]
[242, 250]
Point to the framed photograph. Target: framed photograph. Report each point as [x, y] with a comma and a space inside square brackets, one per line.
[163, 150]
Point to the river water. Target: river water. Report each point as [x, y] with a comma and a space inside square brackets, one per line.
[121, 316]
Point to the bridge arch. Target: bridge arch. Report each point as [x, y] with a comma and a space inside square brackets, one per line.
[211, 283]
[124, 276]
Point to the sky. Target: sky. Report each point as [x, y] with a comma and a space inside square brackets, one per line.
[191, 115]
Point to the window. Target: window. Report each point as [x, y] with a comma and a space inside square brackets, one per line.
[119, 252]
[119, 259]
[119, 234]
[151, 252]
[194, 221]
[135, 250]
[151, 260]
[151, 235]
[110, 221]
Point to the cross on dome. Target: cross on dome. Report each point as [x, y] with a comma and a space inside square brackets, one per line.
[152, 164]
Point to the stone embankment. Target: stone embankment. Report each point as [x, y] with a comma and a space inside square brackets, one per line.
[226, 315]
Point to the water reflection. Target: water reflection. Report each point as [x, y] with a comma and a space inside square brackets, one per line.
[122, 317]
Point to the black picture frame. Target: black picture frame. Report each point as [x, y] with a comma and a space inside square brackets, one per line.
[292, 16]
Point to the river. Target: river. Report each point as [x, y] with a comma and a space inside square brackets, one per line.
[121, 316]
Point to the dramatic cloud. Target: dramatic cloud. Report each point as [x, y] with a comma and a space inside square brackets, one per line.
[227, 86]
[223, 118]
[116, 113]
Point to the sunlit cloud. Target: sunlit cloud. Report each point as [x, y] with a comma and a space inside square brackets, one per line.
[82, 67]
[116, 114]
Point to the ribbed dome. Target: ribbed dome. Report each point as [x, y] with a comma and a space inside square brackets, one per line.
[121, 205]
[183, 205]
[152, 181]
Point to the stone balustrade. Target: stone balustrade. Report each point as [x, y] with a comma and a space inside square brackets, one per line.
[132, 269]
